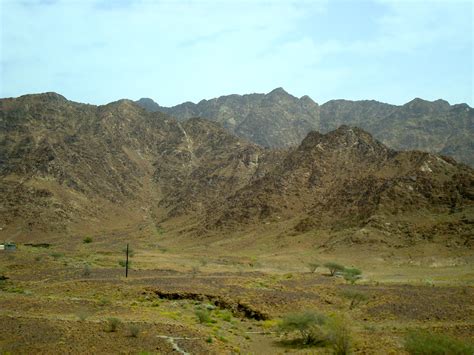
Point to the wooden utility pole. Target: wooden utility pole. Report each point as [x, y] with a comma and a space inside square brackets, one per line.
[126, 264]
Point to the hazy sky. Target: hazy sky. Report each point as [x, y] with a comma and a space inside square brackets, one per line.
[176, 51]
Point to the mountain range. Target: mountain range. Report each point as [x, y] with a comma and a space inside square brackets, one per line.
[278, 119]
[68, 169]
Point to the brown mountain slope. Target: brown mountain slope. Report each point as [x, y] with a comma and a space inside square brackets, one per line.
[279, 119]
[69, 168]
[66, 164]
[346, 179]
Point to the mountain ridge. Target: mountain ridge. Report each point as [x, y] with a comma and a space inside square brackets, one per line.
[432, 126]
[71, 168]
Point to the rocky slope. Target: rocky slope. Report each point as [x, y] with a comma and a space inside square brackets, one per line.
[276, 119]
[346, 179]
[65, 163]
[279, 119]
[68, 168]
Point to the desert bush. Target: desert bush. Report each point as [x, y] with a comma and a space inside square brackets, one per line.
[87, 240]
[419, 342]
[134, 330]
[203, 262]
[131, 252]
[355, 297]
[203, 315]
[87, 271]
[123, 263]
[195, 271]
[104, 302]
[57, 255]
[308, 324]
[83, 314]
[313, 266]
[113, 324]
[338, 335]
[225, 315]
[334, 267]
[352, 274]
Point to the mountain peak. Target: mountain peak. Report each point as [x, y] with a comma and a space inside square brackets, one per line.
[278, 91]
[148, 104]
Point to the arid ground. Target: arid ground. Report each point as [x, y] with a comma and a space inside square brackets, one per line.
[60, 299]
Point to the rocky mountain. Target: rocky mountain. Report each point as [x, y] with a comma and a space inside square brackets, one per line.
[279, 119]
[276, 119]
[69, 168]
[346, 179]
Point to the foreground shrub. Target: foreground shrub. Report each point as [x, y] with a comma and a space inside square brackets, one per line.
[87, 240]
[334, 267]
[339, 335]
[308, 324]
[419, 342]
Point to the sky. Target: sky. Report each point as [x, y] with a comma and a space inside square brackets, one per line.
[98, 51]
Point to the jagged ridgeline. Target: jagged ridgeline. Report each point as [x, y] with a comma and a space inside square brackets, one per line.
[279, 119]
[69, 167]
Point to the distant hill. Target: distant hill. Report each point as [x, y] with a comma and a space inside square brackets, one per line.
[68, 169]
[279, 119]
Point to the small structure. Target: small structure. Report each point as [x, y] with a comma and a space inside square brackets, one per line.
[7, 246]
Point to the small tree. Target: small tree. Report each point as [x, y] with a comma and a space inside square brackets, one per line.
[352, 274]
[308, 324]
[355, 297]
[334, 267]
[87, 240]
[313, 266]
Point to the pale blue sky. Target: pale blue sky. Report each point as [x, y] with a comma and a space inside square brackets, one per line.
[176, 51]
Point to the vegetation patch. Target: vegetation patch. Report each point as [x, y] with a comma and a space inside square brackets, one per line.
[421, 342]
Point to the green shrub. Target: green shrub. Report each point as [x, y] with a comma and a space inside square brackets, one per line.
[203, 315]
[113, 324]
[83, 314]
[57, 255]
[334, 267]
[87, 271]
[131, 252]
[194, 271]
[104, 302]
[225, 315]
[87, 240]
[134, 330]
[355, 297]
[352, 274]
[308, 324]
[123, 263]
[419, 342]
[313, 266]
